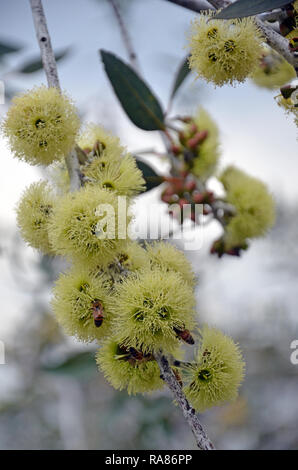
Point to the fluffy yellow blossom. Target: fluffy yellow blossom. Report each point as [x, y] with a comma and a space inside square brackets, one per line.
[33, 214]
[86, 225]
[131, 257]
[224, 52]
[255, 209]
[273, 71]
[206, 159]
[81, 304]
[217, 372]
[41, 126]
[128, 369]
[166, 256]
[290, 105]
[103, 144]
[120, 175]
[152, 308]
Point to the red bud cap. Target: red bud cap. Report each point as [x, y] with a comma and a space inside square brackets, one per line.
[190, 185]
[209, 197]
[176, 182]
[182, 202]
[186, 119]
[193, 128]
[175, 149]
[182, 137]
[198, 197]
[198, 138]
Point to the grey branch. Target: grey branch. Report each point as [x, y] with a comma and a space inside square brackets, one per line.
[274, 15]
[126, 38]
[278, 43]
[50, 68]
[44, 41]
[167, 374]
[217, 4]
[274, 39]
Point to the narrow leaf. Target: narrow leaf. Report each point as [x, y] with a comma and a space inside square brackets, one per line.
[80, 365]
[136, 98]
[36, 64]
[6, 48]
[243, 8]
[182, 73]
[149, 174]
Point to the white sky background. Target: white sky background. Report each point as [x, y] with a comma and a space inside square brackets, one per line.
[256, 135]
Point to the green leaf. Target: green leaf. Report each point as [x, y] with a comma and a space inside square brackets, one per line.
[80, 366]
[136, 98]
[6, 48]
[36, 64]
[243, 8]
[150, 176]
[182, 73]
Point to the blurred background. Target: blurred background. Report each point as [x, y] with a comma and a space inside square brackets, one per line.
[51, 394]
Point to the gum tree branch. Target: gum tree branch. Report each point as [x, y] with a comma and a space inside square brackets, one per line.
[167, 374]
[274, 39]
[125, 35]
[274, 15]
[278, 43]
[72, 162]
[50, 68]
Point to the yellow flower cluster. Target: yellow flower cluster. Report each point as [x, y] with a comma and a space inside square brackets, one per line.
[133, 300]
[273, 71]
[109, 166]
[290, 104]
[77, 298]
[34, 212]
[207, 152]
[123, 370]
[217, 372]
[224, 52]
[41, 126]
[255, 208]
[86, 223]
[151, 308]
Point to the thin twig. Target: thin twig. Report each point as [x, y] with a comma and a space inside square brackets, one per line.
[274, 15]
[167, 374]
[217, 4]
[134, 63]
[126, 38]
[278, 43]
[44, 41]
[50, 68]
